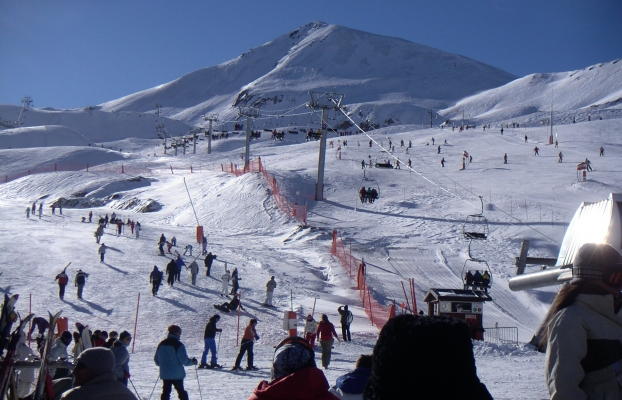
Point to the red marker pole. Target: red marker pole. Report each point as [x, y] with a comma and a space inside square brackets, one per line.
[136, 322]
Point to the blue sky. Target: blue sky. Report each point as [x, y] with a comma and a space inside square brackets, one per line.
[68, 54]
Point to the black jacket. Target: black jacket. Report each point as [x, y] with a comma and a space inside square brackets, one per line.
[210, 330]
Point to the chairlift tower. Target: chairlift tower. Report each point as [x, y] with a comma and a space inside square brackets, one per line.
[26, 105]
[161, 131]
[210, 118]
[248, 112]
[432, 115]
[324, 102]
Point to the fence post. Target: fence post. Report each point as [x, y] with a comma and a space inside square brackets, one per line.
[135, 322]
[122, 169]
[371, 313]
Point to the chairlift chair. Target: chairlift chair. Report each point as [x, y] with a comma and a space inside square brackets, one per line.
[383, 160]
[370, 195]
[476, 275]
[475, 226]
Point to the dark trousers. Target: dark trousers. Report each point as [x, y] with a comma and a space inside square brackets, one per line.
[345, 332]
[61, 291]
[155, 285]
[101, 257]
[245, 346]
[179, 387]
[80, 289]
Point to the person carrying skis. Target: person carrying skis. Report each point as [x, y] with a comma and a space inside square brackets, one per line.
[346, 320]
[155, 278]
[246, 346]
[62, 279]
[102, 252]
[270, 286]
[209, 259]
[171, 272]
[310, 330]
[171, 357]
[80, 281]
[209, 337]
[225, 282]
[194, 271]
[122, 357]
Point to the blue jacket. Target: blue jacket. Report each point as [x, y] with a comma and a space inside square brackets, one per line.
[171, 357]
[354, 382]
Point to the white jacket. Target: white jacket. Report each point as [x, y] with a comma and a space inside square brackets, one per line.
[586, 335]
[310, 326]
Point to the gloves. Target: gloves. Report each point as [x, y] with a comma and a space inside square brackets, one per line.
[194, 361]
[127, 375]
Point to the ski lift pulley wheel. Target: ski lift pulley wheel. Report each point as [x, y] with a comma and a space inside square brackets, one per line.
[476, 275]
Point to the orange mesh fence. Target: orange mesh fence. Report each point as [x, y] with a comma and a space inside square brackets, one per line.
[378, 314]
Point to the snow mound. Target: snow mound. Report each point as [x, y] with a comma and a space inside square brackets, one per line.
[41, 136]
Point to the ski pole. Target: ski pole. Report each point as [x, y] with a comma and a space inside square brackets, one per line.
[198, 384]
[154, 386]
[136, 391]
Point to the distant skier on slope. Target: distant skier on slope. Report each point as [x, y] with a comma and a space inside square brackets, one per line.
[155, 278]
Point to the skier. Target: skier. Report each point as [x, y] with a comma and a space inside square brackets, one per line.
[432, 141]
[270, 286]
[235, 285]
[601, 152]
[40, 210]
[169, 246]
[246, 346]
[209, 337]
[225, 282]
[397, 164]
[122, 357]
[560, 157]
[310, 330]
[443, 162]
[171, 271]
[363, 164]
[180, 265]
[174, 241]
[209, 259]
[346, 320]
[505, 158]
[204, 246]
[232, 305]
[102, 252]
[194, 271]
[132, 227]
[171, 357]
[556, 143]
[80, 281]
[155, 278]
[409, 163]
[41, 324]
[588, 164]
[438, 149]
[536, 151]
[325, 333]
[161, 244]
[62, 279]
[525, 138]
[27, 212]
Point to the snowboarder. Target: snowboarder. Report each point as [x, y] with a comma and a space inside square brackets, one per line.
[171, 357]
[209, 259]
[505, 158]
[171, 271]
[27, 212]
[560, 157]
[194, 271]
[536, 151]
[235, 285]
[62, 279]
[155, 278]
[230, 306]
[310, 330]
[187, 249]
[209, 337]
[270, 286]
[246, 346]
[346, 320]
[102, 252]
[225, 282]
[80, 281]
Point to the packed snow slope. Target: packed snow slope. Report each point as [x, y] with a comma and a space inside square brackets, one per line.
[595, 91]
[413, 231]
[372, 70]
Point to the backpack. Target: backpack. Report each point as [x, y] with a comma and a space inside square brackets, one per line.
[350, 317]
[63, 279]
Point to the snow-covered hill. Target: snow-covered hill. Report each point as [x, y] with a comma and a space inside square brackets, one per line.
[371, 70]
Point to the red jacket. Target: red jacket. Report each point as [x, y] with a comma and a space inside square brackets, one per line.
[306, 384]
[325, 331]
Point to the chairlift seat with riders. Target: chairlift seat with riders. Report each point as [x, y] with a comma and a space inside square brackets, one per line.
[476, 275]
[370, 190]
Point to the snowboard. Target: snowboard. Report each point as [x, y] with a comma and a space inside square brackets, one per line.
[221, 308]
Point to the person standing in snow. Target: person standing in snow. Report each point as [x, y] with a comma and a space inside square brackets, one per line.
[588, 165]
[560, 157]
[246, 346]
[270, 286]
[235, 285]
[90, 216]
[40, 210]
[536, 151]
[204, 246]
[209, 337]
[34, 208]
[505, 158]
[325, 333]
[137, 228]
[102, 252]
[225, 282]
[443, 162]
[27, 212]
[310, 330]
[438, 149]
[122, 357]
[53, 209]
[601, 152]
[59, 351]
[155, 278]
[80, 281]
[26, 375]
[582, 328]
[62, 279]
[161, 244]
[99, 232]
[346, 320]
[180, 265]
[171, 358]
[194, 271]
[209, 259]
[171, 272]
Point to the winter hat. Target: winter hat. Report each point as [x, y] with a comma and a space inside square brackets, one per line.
[291, 355]
[410, 352]
[598, 261]
[124, 334]
[100, 360]
[174, 329]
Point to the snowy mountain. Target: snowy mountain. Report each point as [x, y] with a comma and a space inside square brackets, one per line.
[400, 79]
[595, 91]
